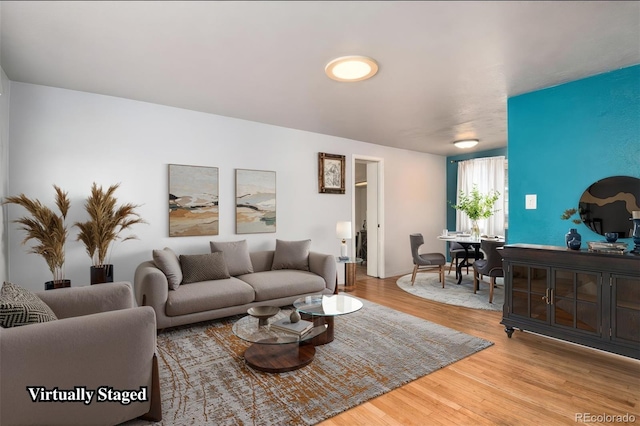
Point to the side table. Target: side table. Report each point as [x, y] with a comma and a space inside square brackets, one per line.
[349, 271]
[323, 308]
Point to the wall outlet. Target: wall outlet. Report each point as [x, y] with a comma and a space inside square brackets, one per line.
[531, 201]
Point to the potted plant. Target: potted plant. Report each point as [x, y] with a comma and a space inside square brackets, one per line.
[477, 206]
[106, 223]
[49, 230]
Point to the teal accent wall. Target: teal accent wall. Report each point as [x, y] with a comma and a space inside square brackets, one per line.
[452, 178]
[561, 140]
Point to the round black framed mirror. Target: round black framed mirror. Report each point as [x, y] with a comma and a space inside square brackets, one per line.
[607, 204]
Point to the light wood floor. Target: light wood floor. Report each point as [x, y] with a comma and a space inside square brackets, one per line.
[525, 380]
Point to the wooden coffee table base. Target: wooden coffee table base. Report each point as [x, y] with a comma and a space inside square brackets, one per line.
[279, 358]
[327, 336]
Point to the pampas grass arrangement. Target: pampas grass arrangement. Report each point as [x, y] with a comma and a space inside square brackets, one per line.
[45, 227]
[106, 223]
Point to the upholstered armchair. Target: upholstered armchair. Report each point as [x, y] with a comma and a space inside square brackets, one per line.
[99, 340]
[491, 265]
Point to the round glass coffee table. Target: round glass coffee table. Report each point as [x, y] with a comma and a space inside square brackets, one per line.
[275, 351]
[322, 308]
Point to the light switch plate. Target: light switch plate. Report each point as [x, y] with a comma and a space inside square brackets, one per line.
[531, 201]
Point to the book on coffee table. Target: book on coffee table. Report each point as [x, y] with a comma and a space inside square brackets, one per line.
[299, 328]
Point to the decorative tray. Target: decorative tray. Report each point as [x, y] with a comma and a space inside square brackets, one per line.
[605, 247]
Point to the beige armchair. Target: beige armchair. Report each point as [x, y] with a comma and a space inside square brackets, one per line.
[100, 340]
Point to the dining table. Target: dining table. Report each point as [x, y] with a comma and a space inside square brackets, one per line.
[467, 242]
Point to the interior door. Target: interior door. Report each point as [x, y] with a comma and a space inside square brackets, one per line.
[373, 226]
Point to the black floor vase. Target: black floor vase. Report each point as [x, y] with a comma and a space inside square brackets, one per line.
[101, 274]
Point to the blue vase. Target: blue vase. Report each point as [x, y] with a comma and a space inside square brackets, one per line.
[573, 239]
[636, 236]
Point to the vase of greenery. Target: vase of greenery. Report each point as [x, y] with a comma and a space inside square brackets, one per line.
[49, 230]
[106, 223]
[477, 206]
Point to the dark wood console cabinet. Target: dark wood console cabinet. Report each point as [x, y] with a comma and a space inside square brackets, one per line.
[588, 298]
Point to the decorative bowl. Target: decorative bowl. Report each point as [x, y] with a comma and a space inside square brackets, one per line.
[611, 237]
[263, 313]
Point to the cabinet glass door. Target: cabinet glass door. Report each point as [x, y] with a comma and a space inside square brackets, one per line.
[626, 308]
[529, 288]
[575, 300]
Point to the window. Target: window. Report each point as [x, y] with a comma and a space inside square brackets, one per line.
[487, 174]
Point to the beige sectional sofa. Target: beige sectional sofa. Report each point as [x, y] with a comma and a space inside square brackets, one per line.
[191, 288]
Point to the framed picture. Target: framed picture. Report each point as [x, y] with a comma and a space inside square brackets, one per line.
[255, 201]
[330, 173]
[193, 200]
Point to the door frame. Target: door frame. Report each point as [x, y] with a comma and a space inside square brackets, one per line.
[380, 225]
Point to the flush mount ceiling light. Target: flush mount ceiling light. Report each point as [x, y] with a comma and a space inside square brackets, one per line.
[351, 68]
[466, 143]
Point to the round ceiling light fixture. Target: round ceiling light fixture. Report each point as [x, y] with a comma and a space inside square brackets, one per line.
[466, 143]
[351, 68]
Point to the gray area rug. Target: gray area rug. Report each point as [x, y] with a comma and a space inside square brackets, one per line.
[205, 381]
[427, 286]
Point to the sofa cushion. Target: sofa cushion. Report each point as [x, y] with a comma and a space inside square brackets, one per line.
[167, 261]
[236, 254]
[262, 260]
[206, 295]
[19, 306]
[291, 255]
[203, 267]
[270, 285]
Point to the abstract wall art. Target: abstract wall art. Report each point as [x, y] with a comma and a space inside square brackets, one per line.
[255, 201]
[193, 200]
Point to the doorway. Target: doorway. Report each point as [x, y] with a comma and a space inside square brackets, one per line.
[368, 214]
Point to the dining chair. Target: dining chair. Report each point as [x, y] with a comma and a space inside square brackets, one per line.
[491, 265]
[456, 251]
[425, 262]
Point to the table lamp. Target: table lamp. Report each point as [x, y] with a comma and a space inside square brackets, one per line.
[343, 230]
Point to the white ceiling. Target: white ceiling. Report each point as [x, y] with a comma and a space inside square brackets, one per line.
[446, 68]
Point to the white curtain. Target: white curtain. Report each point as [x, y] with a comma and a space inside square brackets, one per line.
[487, 174]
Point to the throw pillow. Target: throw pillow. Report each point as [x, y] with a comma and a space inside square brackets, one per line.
[203, 267]
[291, 255]
[236, 254]
[19, 306]
[167, 261]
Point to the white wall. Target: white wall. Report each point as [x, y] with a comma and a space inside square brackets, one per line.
[5, 86]
[72, 139]
[4, 169]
